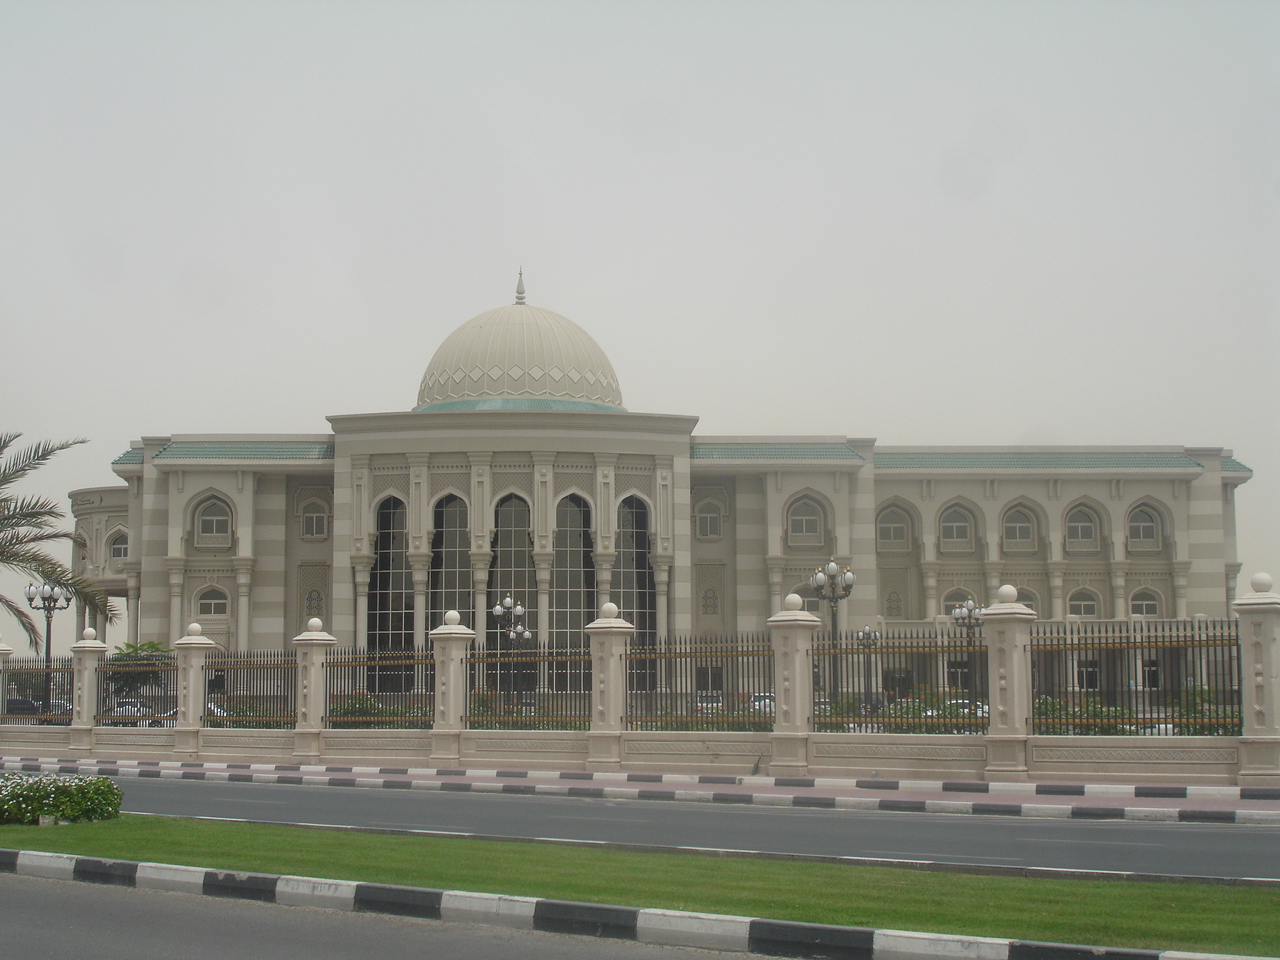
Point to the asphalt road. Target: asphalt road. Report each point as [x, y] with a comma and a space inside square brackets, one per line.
[62, 918]
[1180, 849]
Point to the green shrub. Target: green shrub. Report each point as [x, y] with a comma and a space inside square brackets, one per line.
[24, 798]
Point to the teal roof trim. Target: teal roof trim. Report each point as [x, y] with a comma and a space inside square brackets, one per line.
[1232, 465]
[245, 450]
[132, 455]
[773, 451]
[1063, 460]
[519, 403]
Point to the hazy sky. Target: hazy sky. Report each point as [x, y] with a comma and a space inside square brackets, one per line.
[982, 222]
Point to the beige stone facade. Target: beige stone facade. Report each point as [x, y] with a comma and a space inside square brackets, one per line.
[519, 471]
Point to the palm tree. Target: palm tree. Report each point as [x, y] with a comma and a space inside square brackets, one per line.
[27, 525]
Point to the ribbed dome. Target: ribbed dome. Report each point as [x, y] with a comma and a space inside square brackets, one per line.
[519, 357]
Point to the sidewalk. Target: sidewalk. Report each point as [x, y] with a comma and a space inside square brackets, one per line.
[1159, 802]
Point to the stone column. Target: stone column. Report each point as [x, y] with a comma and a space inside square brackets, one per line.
[451, 641]
[791, 636]
[1057, 604]
[177, 574]
[661, 586]
[1180, 569]
[480, 561]
[542, 573]
[80, 616]
[311, 649]
[85, 657]
[360, 571]
[191, 651]
[421, 581]
[1007, 630]
[134, 590]
[775, 565]
[929, 572]
[604, 577]
[609, 635]
[992, 569]
[1119, 574]
[244, 581]
[1259, 614]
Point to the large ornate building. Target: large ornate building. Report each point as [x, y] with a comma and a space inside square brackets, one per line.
[519, 472]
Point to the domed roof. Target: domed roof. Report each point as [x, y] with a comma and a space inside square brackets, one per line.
[519, 357]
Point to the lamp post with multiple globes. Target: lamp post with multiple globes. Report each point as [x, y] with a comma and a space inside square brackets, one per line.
[832, 584]
[48, 598]
[510, 616]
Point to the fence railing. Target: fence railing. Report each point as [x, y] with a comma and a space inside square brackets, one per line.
[700, 683]
[137, 691]
[910, 680]
[379, 690]
[1140, 677]
[36, 693]
[256, 688]
[528, 688]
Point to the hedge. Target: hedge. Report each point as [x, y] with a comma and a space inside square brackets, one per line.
[24, 799]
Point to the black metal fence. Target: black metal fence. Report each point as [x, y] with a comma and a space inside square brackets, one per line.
[913, 680]
[379, 689]
[137, 690]
[255, 688]
[34, 693]
[700, 683]
[529, 688]
[1140, 677]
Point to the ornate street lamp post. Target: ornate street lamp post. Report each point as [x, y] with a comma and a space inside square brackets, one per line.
[867, 640]
[49, 599]
[510, 616]
[969, 618]
[832, 584]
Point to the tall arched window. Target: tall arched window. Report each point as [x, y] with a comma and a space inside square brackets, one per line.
[213, 524]
[1082, 530]
[450, 560]
[390, 598]
[893, 529]
[956, 531]
[1144, 530]
[805, 523]
[573, 592]
[511, 570]
[1144, 603]
[1082, 603]
[633, 588]
[1019, 529]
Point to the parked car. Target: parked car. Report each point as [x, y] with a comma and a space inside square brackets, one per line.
[128, 713]
[20, 707]
[170, 717]
[763, 703]
[707, 703]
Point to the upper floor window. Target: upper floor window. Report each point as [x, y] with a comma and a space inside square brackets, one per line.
[1027, 598]
[315, 521]
[893, 529]
[1144, 603]
[957, 530]
[804, 524]
[119, 546]
[1082, 603]
[1144, 529]
[213, 524]
[707, 520]
[211, 603]
[1019, 529]
[1082, 530]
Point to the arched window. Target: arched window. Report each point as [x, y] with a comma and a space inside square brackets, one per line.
[1019, 529]
[1144, 603]
[315, 521]
[1144, 529]
[573, 592]
[956, 530]
[893, 529]
[1082, 603]
[633, 586]
[805, 522]
[1082, 530]
[1027, 598]
[213, 524]
[450, 560]
[119, 546]
[211, 603]
[390, 624]
[511, 571]
[953, 599]
[707, 520]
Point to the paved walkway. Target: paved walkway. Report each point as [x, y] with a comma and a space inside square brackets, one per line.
[1163, 802]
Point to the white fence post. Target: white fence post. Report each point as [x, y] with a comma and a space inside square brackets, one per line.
[609, 635]
[450, 643]
[1006, 628]
[1259, 614]
[791, 635]
[85, 657]
[311, 649]
[191, 651]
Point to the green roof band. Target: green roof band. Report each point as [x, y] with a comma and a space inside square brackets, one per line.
[132, 455]
[1064, 460]
[519, 403]
[1232, 465]
[244, 450]
[773, 451]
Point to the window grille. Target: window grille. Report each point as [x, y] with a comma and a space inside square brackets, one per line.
[390, 623]
[573, 593]
[511, 573]
[450, 560]
[633, 588]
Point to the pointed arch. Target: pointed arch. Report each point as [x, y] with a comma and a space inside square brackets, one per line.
[808, 520]
[1148, 526]
[1146, 602]
[212, 520]
[1084, 603]
[960, 526]
[1079, 537]
[450, 577]
[898, 525]
[1023, 523]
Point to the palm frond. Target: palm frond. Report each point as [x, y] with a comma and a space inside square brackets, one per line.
[34, 640]
[18, 465]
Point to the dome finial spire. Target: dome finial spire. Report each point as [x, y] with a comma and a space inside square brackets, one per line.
[520, 287]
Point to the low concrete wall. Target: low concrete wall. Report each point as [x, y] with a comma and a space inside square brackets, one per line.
[1181, 760]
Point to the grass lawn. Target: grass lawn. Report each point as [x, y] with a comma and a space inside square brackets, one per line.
[1161, 916]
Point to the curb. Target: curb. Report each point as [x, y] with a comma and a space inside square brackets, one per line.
[778, 938]
[453, 780]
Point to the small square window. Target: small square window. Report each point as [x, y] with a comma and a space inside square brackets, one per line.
[315, 525]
